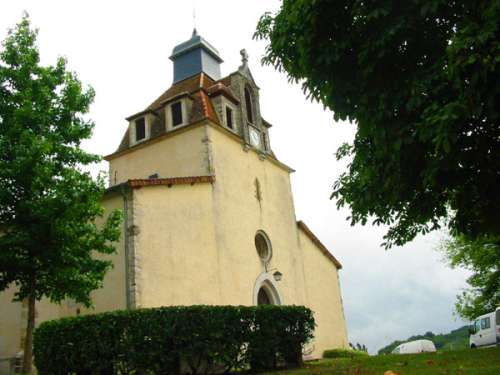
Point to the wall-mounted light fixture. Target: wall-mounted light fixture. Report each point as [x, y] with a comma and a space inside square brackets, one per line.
[277, 276]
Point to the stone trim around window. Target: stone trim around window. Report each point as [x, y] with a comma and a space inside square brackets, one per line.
[263, 246]
[227, 104]
[249, 105]
[148, 121]
[186, 105]
[266, 281]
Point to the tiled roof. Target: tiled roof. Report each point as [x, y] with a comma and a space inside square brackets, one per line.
[221, 89]
[200, 89]
[202, 108]
[190, 180]
[197, 88]
[138, 183]
[226, 80]
[318, 243]
[189, 86]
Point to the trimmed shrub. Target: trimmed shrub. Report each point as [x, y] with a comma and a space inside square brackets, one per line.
[343, 353]
[285, 330]
[160, 340]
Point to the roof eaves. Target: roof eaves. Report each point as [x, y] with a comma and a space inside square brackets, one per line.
[147, 110]
[173, 98]
[157, 138]
[220, 89]
[195, 42]
[267, 124]
[169, 181]
[318, 243]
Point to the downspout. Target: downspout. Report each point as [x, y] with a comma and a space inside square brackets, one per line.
[126, 235]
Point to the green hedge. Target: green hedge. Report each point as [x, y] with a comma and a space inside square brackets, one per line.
[343, 353]
[162, 340]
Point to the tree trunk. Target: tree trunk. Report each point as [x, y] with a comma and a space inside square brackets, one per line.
[28, 341]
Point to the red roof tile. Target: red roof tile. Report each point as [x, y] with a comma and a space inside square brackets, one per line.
[191, 180]
[221, 89]
[139, 183]
[189, 86]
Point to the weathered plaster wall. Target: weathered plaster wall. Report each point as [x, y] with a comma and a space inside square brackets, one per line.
[324, 297]
[178, 258]
[309, 278]
[240, 211]
[179, 154]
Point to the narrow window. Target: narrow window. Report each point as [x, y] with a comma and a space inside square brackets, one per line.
[229, 118]
[264, 140]
[176, 113]
[248, 102]
[140, 129]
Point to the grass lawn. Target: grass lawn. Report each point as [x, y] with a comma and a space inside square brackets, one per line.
[462, 362]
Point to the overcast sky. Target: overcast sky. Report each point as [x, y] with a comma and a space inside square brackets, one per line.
[121, 48]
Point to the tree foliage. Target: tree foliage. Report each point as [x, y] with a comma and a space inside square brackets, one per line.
[48, 204]
[421, 81]
[482, 257]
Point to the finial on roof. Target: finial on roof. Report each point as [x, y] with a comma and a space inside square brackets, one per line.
[195, 33]
[244, 57]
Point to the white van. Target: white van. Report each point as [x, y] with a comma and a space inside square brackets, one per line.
[485, 331]
[417, 346]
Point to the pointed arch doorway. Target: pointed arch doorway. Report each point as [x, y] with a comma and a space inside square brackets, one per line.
[266, 291]
[263, 298]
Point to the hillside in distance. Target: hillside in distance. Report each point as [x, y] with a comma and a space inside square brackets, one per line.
[455, 340]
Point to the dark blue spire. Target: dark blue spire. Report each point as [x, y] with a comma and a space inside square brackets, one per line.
[195, 56]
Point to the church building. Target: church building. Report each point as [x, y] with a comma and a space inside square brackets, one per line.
[208, 210]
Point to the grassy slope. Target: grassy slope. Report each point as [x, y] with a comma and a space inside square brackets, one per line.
[463, 362]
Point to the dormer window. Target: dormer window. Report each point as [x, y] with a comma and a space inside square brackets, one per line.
[248, 104]
[140, 129]
[176, 109]
[176, 113]
[229, 118]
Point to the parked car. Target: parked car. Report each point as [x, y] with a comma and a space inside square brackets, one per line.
[417, 346]
[485, 331]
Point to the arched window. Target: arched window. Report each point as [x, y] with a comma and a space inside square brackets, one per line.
[249, 105]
